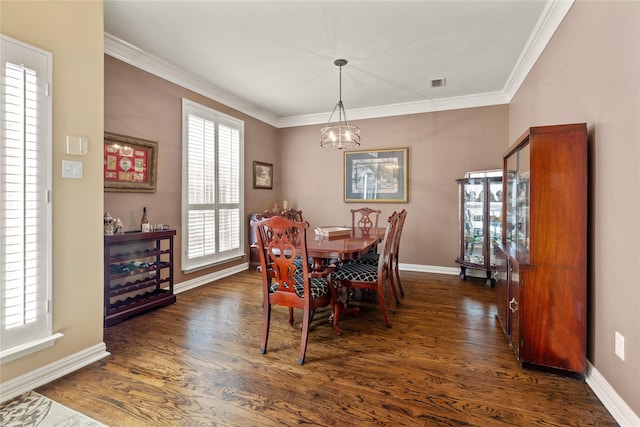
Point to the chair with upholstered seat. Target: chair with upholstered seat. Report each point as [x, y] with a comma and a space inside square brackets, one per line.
[291, 214]
[266, 236]
[372, 258]
[354, 275]
[285, 283]
[365, 217]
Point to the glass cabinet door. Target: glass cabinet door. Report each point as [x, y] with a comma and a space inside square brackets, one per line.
[473, 190]
[494, 206]
[517, 199]
[510, 198]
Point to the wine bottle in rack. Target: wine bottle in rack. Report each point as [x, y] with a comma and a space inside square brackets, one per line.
[138, 264]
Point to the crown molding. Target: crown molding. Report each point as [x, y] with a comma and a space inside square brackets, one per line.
[132, 55]
[417, 107]
[549, 21]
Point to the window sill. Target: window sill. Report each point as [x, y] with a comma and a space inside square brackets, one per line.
[28, 348]
[194, 268]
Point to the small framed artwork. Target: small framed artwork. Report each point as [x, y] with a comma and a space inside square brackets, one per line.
[376, 175]
[262, 175]
[129, 163]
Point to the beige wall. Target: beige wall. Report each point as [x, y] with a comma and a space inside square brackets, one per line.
[73, 33]
[590, 72]
[142, 105]
[443, 146]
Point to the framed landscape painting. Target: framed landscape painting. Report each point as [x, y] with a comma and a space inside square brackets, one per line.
[376, 175]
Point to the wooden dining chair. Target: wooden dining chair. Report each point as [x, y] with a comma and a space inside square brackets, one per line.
[372, 258]
[267, 214]
[365, 217]
[402, 216]
[267, 236]
[356, 275]
[285, 282]
[293, 215]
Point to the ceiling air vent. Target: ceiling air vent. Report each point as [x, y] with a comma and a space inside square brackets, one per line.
[441, 82]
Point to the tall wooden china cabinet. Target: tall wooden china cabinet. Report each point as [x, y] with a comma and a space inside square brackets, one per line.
[541, 260]
[480, 195]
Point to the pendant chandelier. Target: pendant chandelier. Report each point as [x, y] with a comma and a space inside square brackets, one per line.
[339, 135]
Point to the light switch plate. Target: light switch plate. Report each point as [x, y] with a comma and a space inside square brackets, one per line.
[77, 145]
[71, 169]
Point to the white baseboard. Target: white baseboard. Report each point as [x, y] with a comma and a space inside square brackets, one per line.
[203, 280]
[428, 269]
[52, 371]
[610, 399]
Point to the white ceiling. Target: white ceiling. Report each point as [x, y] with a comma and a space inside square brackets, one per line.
[274, 59]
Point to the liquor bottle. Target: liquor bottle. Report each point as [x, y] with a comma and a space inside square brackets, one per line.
[144, 222]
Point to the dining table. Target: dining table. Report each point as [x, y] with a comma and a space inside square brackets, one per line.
[327, 250]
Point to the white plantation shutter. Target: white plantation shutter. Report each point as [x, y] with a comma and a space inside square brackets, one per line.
[212, 190]
[25, 208]
[229, 190]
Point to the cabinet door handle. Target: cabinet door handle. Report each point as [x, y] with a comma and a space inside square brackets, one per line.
[511, 303]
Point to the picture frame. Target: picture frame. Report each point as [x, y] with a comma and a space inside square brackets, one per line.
[262, 175]
[130, 163]
[374, 176]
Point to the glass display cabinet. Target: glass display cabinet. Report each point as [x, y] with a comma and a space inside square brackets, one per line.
[480, 195]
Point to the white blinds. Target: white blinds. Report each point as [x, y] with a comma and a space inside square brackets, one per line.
[24, 189]
[229, 190]
[212, 187]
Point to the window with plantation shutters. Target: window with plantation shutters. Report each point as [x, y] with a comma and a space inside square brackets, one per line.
[212, 187]
[25, 208]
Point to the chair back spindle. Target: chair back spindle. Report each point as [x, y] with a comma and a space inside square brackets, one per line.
[365, 217]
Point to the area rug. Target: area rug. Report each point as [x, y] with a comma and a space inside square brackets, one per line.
[33, 409]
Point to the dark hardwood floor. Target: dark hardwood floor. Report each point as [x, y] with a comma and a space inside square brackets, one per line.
[445, 362]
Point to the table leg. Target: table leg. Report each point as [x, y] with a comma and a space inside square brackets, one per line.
[341, 306]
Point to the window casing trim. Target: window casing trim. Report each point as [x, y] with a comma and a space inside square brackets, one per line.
[16, 51]
[219, 119]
